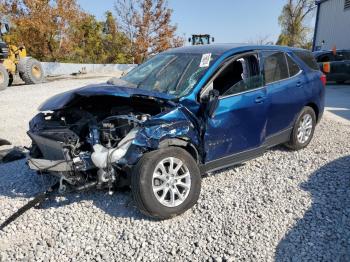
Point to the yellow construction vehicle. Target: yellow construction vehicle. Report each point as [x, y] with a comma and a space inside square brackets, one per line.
[14, 60]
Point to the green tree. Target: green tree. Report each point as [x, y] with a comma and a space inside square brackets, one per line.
[292, 21]
[115, 43]
[87, 37]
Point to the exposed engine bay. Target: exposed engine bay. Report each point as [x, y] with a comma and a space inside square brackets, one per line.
[84, 143]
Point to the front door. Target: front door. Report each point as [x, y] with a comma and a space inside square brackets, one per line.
[239, 122]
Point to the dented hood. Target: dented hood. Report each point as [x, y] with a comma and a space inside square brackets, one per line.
[63, 100]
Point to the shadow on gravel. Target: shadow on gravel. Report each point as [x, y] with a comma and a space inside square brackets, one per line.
[17, 181]
[323, 234]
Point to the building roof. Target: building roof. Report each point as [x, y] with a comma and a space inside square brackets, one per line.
[317, 2]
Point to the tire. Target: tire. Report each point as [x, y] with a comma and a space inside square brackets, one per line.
[300, 140]
[4, 78]
[31, 71]
[144, 182]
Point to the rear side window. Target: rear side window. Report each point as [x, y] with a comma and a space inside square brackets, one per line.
[294, 69]
[343, 55]
[328, 57]
[275, 67]
[347, 55]
[308, 59]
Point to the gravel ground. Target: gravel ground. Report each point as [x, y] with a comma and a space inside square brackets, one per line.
[19, 103]
[284, 206]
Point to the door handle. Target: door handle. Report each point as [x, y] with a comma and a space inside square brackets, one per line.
[259, 100]
[299, 84]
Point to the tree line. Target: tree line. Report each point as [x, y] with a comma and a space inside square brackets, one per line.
[60, 30]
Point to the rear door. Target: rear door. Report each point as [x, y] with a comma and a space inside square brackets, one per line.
[284, 82]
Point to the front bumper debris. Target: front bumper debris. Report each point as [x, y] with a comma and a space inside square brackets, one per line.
[50, 165]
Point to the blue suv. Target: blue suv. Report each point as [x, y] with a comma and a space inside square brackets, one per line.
[182, 113]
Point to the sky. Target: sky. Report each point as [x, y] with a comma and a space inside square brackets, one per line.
[229, 21]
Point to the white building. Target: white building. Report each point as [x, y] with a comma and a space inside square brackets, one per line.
[332, 27]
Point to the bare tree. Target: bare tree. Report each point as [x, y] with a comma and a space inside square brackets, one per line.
[148, 25]
[126, 12]
[261, 40]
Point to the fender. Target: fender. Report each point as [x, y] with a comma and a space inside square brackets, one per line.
[173, 128]
[188, 146]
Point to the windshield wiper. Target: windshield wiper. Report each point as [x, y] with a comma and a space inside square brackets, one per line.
[183, 75]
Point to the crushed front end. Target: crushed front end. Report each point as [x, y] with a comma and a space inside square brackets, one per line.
[95, 140]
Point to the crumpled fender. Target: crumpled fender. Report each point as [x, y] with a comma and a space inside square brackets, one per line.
[162, 130]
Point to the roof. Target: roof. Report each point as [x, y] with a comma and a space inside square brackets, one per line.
[219, 49]
[321, 52]
[317, 2]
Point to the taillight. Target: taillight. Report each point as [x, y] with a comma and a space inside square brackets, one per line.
[326, 67]
[324, 80]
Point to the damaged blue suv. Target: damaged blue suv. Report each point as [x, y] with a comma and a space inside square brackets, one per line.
[182, 113]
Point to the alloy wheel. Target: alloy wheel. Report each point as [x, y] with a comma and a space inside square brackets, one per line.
[305, 129]
[171, 182]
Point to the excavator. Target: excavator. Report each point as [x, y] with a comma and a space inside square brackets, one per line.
[14, 60]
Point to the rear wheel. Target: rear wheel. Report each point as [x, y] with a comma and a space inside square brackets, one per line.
[303, 129]
[166, 183]
[30, 70]
[4, 78]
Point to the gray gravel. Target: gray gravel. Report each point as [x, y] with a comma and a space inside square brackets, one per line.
[284, 206]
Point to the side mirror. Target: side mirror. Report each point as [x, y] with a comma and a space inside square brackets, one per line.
[213, 102]
[189, 40]
[7, 27]
[213, 39]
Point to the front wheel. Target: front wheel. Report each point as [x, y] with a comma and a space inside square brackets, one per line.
[166, 183]
[303, 129]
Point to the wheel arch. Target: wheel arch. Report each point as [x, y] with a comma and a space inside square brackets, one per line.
[316, 110]
[186, 145]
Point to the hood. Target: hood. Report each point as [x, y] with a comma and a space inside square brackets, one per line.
[63, 100]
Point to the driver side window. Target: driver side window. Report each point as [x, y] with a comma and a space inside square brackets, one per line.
[241, 75]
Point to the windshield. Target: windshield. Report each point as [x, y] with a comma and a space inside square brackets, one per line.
[174, 74]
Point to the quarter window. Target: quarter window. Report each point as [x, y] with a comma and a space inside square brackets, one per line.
[275, 67]
[308, 59]
[292, 66]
